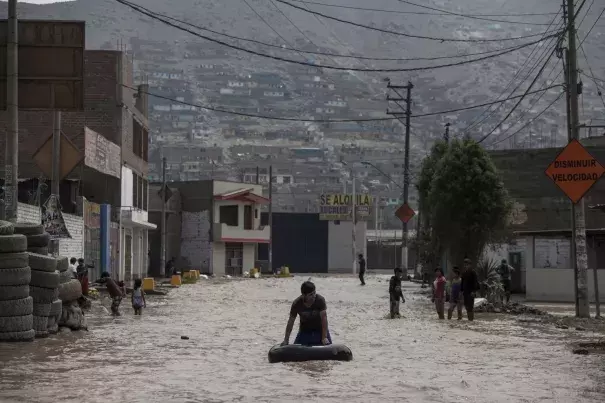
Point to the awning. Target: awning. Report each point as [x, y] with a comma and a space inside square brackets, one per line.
[243, 195]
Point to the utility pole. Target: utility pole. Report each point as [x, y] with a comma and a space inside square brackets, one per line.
[406, 163]
[257, 175]
[56, 153]
[354, 220]
[163, 221]
[446, 136]
[271, 218]
[564, 54]
[579, 227]
[11, 156]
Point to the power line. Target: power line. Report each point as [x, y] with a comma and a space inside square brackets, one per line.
[387, 31]
[530, 121]
[470, 16]
[423, 68]
[520, 99]
[329, 54]
[479, 120]
[218, 109]
[418, 12]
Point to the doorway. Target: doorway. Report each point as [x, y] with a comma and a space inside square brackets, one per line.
[234, 256]
[127, 257]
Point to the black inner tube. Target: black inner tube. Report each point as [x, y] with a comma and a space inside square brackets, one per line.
[298, 353]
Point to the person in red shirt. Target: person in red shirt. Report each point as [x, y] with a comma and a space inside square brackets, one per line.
[439, 293]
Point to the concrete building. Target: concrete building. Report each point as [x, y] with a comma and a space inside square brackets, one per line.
[541, 222]
[111, 135]
[217, 223]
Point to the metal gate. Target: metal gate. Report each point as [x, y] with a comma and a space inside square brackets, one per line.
[234, 256]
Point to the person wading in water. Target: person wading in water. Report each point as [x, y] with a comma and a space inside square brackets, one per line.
[362, 269]
[504, 270]
[311, 307]
[395, 293]
[468, 287]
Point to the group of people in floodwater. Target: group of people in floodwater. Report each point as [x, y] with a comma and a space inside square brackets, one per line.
[460, 293]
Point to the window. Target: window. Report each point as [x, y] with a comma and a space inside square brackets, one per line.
[229, 215]
[287, 179]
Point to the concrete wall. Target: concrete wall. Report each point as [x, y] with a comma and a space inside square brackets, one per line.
[73, 247]
[340, 258]
[249, 254]
[196, 246]
[218, 258]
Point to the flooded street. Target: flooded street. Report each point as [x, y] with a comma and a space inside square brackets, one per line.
[233, 324]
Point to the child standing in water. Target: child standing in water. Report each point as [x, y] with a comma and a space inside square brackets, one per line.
[439, 293]
[138, 297]
[455, 295]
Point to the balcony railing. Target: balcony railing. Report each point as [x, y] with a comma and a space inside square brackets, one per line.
[227, 233]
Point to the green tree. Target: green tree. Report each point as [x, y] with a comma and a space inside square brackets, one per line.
[465, 204]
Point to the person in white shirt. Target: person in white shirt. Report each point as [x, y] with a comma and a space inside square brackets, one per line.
[73, 267]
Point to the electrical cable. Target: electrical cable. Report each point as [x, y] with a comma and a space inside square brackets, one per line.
[592, 74]
[520, 99]
[480, 119]
[529, 122]
[423, 68]
[418, 12]
[218, 109]
[387, 31]
[470, 16]
[330, 54]
[537, 98]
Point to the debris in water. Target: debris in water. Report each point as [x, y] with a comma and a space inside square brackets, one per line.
[184, 337]
[580, 328]
[580, 351]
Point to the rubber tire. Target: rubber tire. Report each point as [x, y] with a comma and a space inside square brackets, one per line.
[38, 250]
[56, 308]
[70, 291]
[13, 292]
[17, 307]
[16, 323]
[28, 335]
[42, 309]
[62, 263]
[42, 262]
[39, 241]
[44, 279]
[42, 295]
[13, 260]
[40, 323]
[28, 229]
[65, 277]
[21, 276]
[6, 228]
[42, 334]
[13, 243]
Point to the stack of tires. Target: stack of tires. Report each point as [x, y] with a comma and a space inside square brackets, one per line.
[16, 306]
[56, 307]
[37, 239]
[44, 289]
[72, 316]
[44, 284]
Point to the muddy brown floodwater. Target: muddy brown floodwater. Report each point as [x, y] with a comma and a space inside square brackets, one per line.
[233, 324]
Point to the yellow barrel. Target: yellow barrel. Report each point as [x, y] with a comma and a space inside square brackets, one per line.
[176, 280]
[197, 274]
[148, 284]
[286, 271]
[189, 274]
[253, 271]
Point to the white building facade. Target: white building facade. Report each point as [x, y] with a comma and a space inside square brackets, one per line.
[134, 227]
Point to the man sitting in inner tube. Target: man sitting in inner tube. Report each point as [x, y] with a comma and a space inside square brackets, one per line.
[311, 307]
